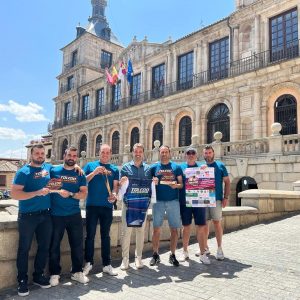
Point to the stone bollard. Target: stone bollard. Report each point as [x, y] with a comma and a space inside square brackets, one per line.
[126, 157]
[217, 145]
[82, 159]
[155, 151]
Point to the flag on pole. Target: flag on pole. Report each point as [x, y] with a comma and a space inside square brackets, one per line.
[122, 71]
[108, 77]
[129, 71]
[114, 75]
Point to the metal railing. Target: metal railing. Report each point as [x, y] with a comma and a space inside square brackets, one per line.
[235, 68]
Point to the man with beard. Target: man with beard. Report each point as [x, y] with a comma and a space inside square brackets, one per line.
[187, 213]
[66, 215]
[215, 213]
[34, 217]
[103, 180]
[169, 177]
[133, 170]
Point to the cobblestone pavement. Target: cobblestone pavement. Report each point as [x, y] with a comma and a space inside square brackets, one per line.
[262, 262]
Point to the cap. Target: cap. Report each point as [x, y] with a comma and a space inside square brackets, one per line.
[190, 149]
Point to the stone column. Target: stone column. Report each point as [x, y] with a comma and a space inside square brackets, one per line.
[142, 131]
[236, 48]
[263, 112]
[169, 68]
[257, 114]
[257, 29]
[235, 122]
[122, 133]
[203, 129]
[205, 57]
[92, 97]
[196, 129]
[167, 130]
[174, 66]
[104, 136]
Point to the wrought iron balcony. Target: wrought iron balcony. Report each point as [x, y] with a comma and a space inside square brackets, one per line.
[235, 68]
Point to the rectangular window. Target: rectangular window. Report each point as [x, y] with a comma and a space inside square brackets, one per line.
[116, 96]
[106, 59]
[85, 107]
[74, 58]
[2, 180]
[135, 89]
[158, 81]
[67, 112]
[219, 59]
[100, 101]
[70, 83]
[284, 35]
[185, 71]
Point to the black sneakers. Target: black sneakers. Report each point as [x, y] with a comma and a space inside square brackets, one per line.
[23, 288]
[173, 261]
[42, 281]
[155, 259]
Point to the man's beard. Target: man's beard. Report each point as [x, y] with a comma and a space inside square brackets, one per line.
[70, 162]
[37, 162]
[209, 160]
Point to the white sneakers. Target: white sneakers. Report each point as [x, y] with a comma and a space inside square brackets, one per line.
[207, 252]
[220, 254]
[80, 277]
[204, 259]
[87, 268]
[54, 280]
[139, 263]
[109, 270]
[124, 264]
[184, 256]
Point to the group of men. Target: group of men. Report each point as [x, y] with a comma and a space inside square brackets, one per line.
[47, 213]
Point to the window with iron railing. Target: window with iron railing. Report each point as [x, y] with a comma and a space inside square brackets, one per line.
[116, 96]
[100, 101]
[185, 71]
[135, 89]
[284, 35]
[157, 133]
[67, 112]
[85, 107]
[185, 131]
[219, 59]
[158, 81]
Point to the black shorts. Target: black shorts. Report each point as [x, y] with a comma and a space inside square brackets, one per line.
[187, 214]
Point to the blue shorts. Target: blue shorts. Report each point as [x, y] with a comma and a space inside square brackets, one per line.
[187, 214]
[171, 209]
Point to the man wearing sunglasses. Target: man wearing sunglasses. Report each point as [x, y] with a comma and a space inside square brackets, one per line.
[187, 213]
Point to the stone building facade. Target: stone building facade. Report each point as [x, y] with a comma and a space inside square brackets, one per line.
[238, 76]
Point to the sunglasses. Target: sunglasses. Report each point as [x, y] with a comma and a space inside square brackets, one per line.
[191, 153]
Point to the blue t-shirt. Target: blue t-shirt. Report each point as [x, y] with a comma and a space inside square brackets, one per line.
[71, 181]
[133, 172]
[220, 172]
[168, 172]
[184, 166]
[97, 191]
[33, 179]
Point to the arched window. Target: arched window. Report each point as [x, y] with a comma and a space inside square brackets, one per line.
[98, 144]
[185, 131]
[64, 146]
[82, 144]
[115, 142]
[218, 120]
[285, 110]
[134, 137]
[157, 133]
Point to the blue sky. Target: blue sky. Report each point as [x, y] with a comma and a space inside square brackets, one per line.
[33, 31]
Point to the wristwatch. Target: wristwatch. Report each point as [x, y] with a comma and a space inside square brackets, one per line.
[71, 195]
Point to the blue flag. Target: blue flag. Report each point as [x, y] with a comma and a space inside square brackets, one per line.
[129, 71]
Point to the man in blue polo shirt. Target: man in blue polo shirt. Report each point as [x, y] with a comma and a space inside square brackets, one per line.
[103, 180]
[169, 177]
[34, 217]
[66, 215]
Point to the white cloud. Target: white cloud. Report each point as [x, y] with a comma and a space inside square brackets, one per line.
[12, 134]
[24, 113]
[15, 153]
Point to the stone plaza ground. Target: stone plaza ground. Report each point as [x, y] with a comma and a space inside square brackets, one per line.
[262, 262]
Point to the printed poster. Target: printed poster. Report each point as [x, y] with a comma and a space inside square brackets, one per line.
[200, 187]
